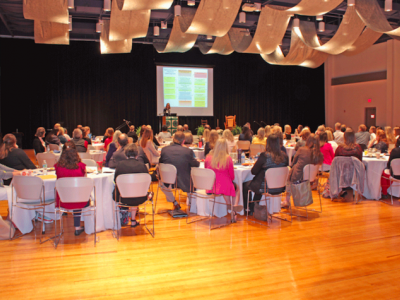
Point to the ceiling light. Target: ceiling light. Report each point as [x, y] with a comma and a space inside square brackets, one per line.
[177, 10]
[191, 3]
[258, 6]
[351, 2]
[71, 4]
[156, 30]
[296, 23]
[242, 17]
[321, 26]
[70, 23]
[107, 5]
[388, 5]
[320, 17]
[209, 37]
[99, 26]
[164, 25]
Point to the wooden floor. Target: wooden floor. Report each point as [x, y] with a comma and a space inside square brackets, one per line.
[347, 252]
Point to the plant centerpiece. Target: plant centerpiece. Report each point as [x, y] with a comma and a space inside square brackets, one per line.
[200, 130]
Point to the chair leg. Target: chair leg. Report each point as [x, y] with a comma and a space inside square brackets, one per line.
[212, 213]
[188, 212]
[95, 231]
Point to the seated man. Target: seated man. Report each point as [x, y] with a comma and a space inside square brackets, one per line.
[80, 144]
[186, 128]
[338, 134]
[132, 134]
[164, 134]
[179, 128]
[183, 159]
[363, 136]
[119, 154]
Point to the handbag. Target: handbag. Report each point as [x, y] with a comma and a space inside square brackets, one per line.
[260, 213]
[301, 193]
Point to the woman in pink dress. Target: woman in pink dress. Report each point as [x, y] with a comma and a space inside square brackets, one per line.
[221, 163]
[326, 149]
[70, 165]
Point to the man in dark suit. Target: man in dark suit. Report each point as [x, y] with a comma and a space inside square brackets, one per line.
[183, 159]
[119, 154]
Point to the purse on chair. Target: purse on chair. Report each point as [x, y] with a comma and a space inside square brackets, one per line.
[301, 193]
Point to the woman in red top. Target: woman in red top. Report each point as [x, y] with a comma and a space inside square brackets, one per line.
[70, 165]
[108, 138]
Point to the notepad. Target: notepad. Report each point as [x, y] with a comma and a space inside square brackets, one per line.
[44, 177]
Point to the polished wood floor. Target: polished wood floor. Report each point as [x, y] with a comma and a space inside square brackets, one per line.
[347, 252]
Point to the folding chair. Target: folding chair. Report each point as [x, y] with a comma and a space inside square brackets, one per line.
[244, 145]
[131, 186]
[50, 159]
[54, 147]
[89, 162]
[167, 174]
[395, 167]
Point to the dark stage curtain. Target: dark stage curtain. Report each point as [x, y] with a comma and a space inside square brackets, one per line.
[45, 84]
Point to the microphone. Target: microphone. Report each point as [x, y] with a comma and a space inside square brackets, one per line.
[126, 121]
[264, 123]
[257, 123]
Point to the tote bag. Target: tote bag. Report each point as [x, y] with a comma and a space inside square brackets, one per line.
[301, 193]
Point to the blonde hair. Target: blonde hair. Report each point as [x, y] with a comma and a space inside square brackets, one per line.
[206, 135]
[330, 135]
[117, 133]
[288, 129]
[261, 133]
[267, 131]
[276, 129]
[213, 138]
[227, 134]
[389, 135]
[220, 154]
[61, 130]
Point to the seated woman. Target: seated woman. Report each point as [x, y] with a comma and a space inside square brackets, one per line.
[52, 137]
[349, 148]
[13, 157]
[385, 182]
[390, 135]
[298, 130]
[85, 135]
[273, 157]
[130, 166]
[164, 134]
[326, 149]
[39, 145]
[211, 142]
[382, 143]
[63, 139]
[260, 138]
[331, 140]
[246, 134]
[108, 137]
[146, 143]
[70, 165]
[230, 140]
[288, 132]
[221, 163]
[206, 136]
[112, 147]
[304, 134]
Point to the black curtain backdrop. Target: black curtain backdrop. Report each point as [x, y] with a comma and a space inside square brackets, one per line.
[45, 84]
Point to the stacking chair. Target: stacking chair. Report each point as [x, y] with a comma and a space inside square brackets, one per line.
[50, 159]
[30, 195]
[244, 145]
[74, 190]
[53, 147]
[395, 166]
[89, 162]
[202, 180]
[130, 186]
[84, 155]
[167, 174]
[275, 178]
[256, 148]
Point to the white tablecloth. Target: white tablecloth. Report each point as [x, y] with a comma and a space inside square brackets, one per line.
[290, 153]
[98, 146]
[199, 154]
[372, 184]
[96, 155]
[104, 184]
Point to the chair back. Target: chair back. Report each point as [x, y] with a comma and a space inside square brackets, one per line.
[89, 162]
[133, 185]
[230, 122]
[244, 145]
[277, 177]
[91, 147]
[54, 147]
[84, 155]
[395, 166]
[28, 187]
[310, 172]
[203, 179]
[74, 189]
[167, 173]
[256, 148]
[50, 159]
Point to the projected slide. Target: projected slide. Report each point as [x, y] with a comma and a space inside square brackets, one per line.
[185, 87]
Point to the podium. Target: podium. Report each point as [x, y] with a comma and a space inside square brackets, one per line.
[172, 123]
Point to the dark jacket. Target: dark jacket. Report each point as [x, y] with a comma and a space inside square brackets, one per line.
[393, 155]
[18, 160]
[62, 139]
[111, 149]
[88, 140]
[243, 138]
[52, 139]
[117, 157]
[79, 144]
[381, 146]
[356, 151]
[300, 160]
[133, 135]
[183, 159]
[130, 166]
[37, 146]
[207, 149]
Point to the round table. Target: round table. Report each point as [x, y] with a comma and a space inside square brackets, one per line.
[96, 155]
[372, 183]
[98, 146]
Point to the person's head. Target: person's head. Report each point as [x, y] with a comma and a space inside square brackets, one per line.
[179, 128]
[147, 136]
[168, 106]
[276, 129]
[9, 143]
[349, 139]
[219, 154]
[207, 127]
[142, 130]
[77, 134]
[288, 129]
[389, 133]
[188, 138]
[57, 125]
[53, 132]
[372, 129]
[267, 131]
[116, 135]
[248, 125]
[65, 130]
[261, 133]
[396, 131]
[343, 128]
[123, 140]
[323, 138]
[305, 133]
[227, 134]
[179, 137]
[299, 128]
[69, 144]
[349, 129]
[313, 144]
[362, 128]
[131, 151]
[338, 126]
[213, 138]
[330, 135]
[79, 126]
[185, 127]
[40, 132]
[61, 131]
[84, 132]
[381, 136]
[148, 126]
[274, 148]
[110, 132]
[320, 129]
[69, 158]
[87, 129]
[206, 135]
[164, 128]
[132, 128]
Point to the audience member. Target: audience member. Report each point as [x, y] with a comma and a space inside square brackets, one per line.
[372, 132]
[343, 128]
[211, 142]
[80, 144]
[362, 136]
[119, 154]
[66, 134]
[349, 147]
[207, 127]
[183, 159]
[142, 130]
[298, 130]
[279, 134]
[164, 134]
[326, 148]
[108, 137]
[132, 133]
[13, 157]
[385, 182]
[260, 138]
[188, 140]
[230, 140]
[112, 147]
[320, 129]
[147, 145]
[70, 165]
[246, 134]
[267, 131]
[206, 136]
[304, 134]
[288, 132]
[52, 138]
[382, 143]
[61, 135]
[331, 141]
[85, 135]
[39, 144]
[186, 128]
[57, 126]
[130, 166]
[389, 135]
[179, 128]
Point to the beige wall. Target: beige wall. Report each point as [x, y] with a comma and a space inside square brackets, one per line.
[346, 103]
